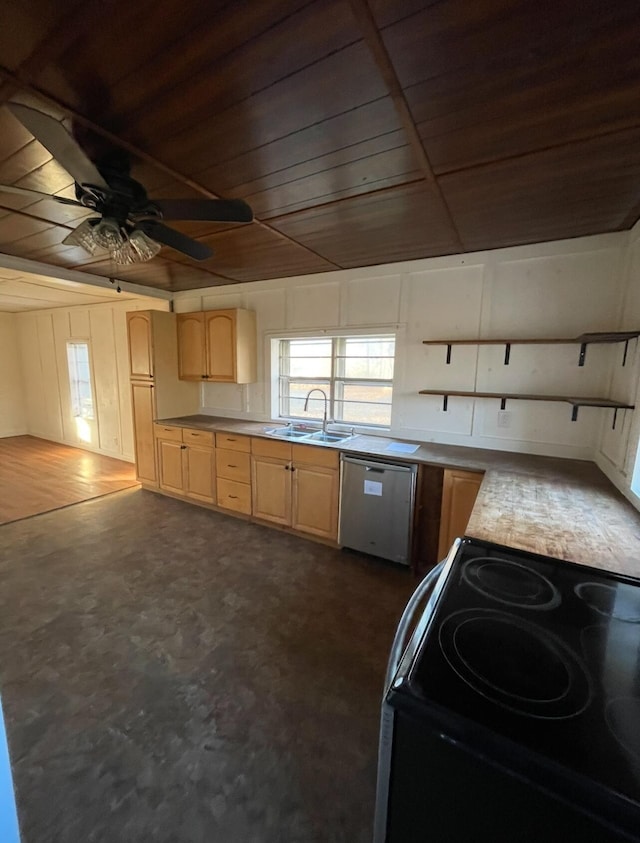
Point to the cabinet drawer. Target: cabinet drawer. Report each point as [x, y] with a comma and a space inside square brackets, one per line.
[315, 455]
[166, 431]
[233, 443]
[270, 448]
[233, 495]
[233, 466]
[198, 437]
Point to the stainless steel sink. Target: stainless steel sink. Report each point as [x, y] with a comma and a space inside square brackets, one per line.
[303, 434]
[288, 433]
[329, 436]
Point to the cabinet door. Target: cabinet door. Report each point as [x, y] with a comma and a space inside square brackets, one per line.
[315, 500]
[220, 333]
[142, 403]
[191, 355]
[200, 473]
[459, 492]
[140, 345]
[170, 466]
[271, 489]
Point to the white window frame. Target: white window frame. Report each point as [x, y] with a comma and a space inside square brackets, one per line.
[273, 340]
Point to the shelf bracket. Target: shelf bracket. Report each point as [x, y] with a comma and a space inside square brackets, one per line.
[583, 354]
[445, 403]
[615, 416]
[507, 353]
[448, 355]
[503, 403]
[624, 356]
[574, 413]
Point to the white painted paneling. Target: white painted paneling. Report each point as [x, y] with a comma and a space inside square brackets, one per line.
[62, 334]
[106, 387]
[554, 295]
[223, 397]
[50, 424]
[188, 303]
[551, 289]
[372, 301]
[79, 323]
[224, 300]
[43, 345]
[12, 399]
[312, 306]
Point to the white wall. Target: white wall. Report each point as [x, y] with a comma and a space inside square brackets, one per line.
[556, 289]
[617, 449]
[43, 336]
[12, 411]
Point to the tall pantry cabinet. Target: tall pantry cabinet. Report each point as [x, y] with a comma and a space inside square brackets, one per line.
[156, 391]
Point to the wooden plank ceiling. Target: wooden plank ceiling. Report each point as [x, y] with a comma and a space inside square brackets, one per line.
[360, 131]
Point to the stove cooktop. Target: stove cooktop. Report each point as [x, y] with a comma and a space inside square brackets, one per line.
[544, 654]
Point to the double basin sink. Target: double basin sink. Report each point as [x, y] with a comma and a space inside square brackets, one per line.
[302, 433]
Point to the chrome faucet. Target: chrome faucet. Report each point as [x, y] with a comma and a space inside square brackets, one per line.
[326, 402]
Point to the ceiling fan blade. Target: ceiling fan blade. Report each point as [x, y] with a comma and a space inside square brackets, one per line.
[175, 239]
[36, 194]
[215, 210]
[59, 142]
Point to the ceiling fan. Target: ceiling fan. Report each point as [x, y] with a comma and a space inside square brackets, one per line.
[128, 225]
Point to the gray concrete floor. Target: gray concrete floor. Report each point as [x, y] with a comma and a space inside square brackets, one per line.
[172, 674]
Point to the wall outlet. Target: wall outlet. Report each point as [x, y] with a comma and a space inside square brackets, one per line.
[504, 418]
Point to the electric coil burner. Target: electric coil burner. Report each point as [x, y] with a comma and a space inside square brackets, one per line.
[514, 713]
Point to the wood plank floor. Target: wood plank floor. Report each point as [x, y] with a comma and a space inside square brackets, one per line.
[37, 476]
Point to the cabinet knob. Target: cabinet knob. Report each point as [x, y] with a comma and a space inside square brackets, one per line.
[182, 447]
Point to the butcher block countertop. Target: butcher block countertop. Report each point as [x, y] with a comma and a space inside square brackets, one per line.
[557, 507]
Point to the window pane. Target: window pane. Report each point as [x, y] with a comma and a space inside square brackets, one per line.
[370, 346]
[309, 358]
[297, 394]
[352, 413]
[80, 380]
[369, 368]
[365, 404]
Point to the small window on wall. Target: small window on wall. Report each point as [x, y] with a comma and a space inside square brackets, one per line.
[356, 373]
[80, 380]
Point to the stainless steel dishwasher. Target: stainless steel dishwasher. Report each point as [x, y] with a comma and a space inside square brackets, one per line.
[376, 507]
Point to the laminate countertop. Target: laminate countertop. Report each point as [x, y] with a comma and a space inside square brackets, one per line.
[556, 507]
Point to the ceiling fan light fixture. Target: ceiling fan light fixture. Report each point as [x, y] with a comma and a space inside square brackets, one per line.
[83, 237]
[145, 247]
[108, 234]
[124, 254]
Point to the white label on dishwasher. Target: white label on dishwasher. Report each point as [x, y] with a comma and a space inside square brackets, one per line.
[372, 487]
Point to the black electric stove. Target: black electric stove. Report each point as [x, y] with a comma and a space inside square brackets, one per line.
[521, 682]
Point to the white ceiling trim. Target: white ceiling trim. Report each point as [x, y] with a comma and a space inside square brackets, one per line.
[71, 277]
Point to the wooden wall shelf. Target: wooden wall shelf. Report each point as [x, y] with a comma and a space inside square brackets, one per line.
[503, 397]
[594, 338]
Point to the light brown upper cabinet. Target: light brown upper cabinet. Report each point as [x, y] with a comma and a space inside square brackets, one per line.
[140, 345]
[217, 346]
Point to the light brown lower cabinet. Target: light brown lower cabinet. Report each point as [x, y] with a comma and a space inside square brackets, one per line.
[233, 471]
[459, 493]
[186, 468]
[295, 486]
[315, 500]
[143, 406]
[291, 485]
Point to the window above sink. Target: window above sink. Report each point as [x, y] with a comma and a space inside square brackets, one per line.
[355, 372]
